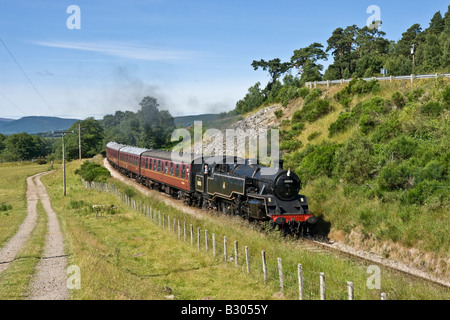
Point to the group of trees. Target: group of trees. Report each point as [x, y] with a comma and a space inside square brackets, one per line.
[23, 146]
[149, 127]
[356, 52]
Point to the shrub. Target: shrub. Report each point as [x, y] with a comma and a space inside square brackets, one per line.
[303, 92]
[402, 147]
[319, 162]
[5, 206]
[432, 109]
[278, 113]
[298, 127]
[446, 95]
[413, 96]
[313, 95]
[91, 171]
[387, 130]
[290, 145]
[356, 161]
[313, 135]
[342, 123]
[394, 176]
[316, 109]
[398, 99]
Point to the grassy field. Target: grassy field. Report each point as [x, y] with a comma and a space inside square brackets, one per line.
[125, 255]
[14, 280]
[13, 186]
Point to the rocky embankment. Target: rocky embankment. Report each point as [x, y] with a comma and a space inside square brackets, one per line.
[251, 127]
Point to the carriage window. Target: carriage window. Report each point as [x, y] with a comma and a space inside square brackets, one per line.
[171, 169]
[154, 165]
[183, 172]
[177, 170]
[165, 167]
[159, 165]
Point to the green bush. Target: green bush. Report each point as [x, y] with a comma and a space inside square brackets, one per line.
[446, 95]
[318, 162]
[290, 145]
[91, 171]
[402, 147]
[398, 99]
[432, 109]
[356, 161]
[278, 113]
[303, 92]
[394, 177]
[342, 124]
[298, 127]
[316, 109]
[5, 206]
[387, 130]
[313, 135]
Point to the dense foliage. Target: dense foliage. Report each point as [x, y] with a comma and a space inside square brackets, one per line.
[357, 52]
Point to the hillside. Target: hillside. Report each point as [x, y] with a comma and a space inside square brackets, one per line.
[35, 124]
[374, 159]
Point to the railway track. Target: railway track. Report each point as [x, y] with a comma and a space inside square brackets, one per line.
[313, 245]
[377, 259]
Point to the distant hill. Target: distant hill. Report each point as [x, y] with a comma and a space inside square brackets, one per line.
[35, 124]
[2, 120]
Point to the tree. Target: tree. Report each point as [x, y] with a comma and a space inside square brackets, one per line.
[23, 146]
[275, 67]
[92, 134]
[305, 61]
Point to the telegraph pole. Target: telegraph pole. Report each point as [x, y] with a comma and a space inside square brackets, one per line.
[63, 133]
[79, 140]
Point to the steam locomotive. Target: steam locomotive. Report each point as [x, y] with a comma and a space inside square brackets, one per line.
[231, 185]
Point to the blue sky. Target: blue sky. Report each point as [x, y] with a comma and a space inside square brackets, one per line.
[194, 56]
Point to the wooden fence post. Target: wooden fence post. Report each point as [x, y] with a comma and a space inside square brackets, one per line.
[214, 244]
[179, 229]
[322, 286]
[300, 281]
[236, 254]
[225, 248]
[198, 238]
[247, 259]
[280, 274]
[206, 240]
[184, 228]
[264, 265]
[350, 290]
[192, 235]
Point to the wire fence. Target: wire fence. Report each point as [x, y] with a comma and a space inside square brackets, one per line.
[290, 281]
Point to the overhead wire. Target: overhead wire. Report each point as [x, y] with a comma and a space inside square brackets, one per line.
[27, 77]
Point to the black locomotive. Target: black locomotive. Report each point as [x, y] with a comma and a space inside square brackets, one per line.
[230, 185]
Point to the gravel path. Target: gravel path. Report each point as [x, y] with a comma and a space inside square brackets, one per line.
[50, 280]
[10, 250]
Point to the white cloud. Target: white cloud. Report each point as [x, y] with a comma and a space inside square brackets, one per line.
[124, 50]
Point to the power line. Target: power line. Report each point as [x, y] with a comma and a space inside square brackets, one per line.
[26, 76]
[12, 103]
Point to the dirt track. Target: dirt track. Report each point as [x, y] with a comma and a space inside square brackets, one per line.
[49, 281]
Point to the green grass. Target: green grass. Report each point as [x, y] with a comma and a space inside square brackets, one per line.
[14, 281]
[127, 256]
[13, 186]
